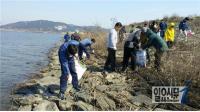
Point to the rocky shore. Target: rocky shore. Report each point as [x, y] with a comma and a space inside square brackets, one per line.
[113, 91]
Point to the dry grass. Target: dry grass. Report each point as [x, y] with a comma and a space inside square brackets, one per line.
[180, 64]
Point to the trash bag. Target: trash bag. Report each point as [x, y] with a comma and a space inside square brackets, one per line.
[141, 58]
[80, 70]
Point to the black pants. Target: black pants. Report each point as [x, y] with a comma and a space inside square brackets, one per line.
[111, 59]
[127, 55]
[170, 44]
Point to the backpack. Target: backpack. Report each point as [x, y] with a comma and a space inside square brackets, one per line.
[75, 37]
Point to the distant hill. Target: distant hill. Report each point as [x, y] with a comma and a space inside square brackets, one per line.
[46, 26]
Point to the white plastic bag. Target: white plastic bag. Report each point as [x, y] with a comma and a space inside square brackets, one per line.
[80, 70]
[141, 58]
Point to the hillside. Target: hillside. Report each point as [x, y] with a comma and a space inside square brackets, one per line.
[46, 26]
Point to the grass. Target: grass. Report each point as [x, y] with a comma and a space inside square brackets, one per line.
[180, 64]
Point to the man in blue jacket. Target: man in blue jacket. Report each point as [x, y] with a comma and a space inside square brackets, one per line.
[183, 27]
[163, 27]
[87, 42]
[66, 54]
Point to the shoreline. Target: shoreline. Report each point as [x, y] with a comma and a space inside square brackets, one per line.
[15, 30]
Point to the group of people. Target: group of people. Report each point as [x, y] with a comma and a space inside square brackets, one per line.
[161, 36]
[141, 38]
[167, 31]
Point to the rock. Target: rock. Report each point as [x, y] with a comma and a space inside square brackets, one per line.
[121, 99]
[44, 70]
[118, 87]
[115, 78]
[105, 103]
[25, 108]
[84, 97]
[53, 88]
[160, 109]
[98, 79]
[102, 88]
[51, 65]
[45, 105]
[30, 88]
[82, 106]
[141, 99]
[65, 105]
[27, 100]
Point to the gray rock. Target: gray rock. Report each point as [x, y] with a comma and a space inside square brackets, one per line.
[122, 99]
[65, 105]
[105, 103]
[82, 106]
[141, 99]
[30, 89]
[27, 100]
[115, 78]
[83, 96]
[102, 88]
[53, 88]
[45, 105]
[51, 65]
[25, 108]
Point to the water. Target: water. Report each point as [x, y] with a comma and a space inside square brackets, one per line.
[22, 53]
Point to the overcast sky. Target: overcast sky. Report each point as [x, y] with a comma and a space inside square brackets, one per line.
[92, 12]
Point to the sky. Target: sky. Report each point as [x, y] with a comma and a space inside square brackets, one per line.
[94, 12]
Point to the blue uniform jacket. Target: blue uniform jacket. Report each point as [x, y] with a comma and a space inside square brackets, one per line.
[64, 57]
[183, 25]
[86, 42]
[163, 26]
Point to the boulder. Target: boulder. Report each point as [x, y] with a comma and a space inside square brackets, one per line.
[82, 106]
[27, 100]
[102, 88]
[53, 88]
[84, 96]
[141, 99]
[45, 105]
[65, 105]
[29, 88]
[25, 108]
[115, 78]
[105, 103]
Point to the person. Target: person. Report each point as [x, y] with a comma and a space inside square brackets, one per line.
[66, 55]
[157, 42]
[185, 90]
[130, 46]
[67, 37]
[112, 47]
[154, 27]
[75, 36]
[184, 28]
[145, 24]
[169, 35]
[163, 27]
[87, 42]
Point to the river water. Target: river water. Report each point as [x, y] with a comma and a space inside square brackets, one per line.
[22, 53]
